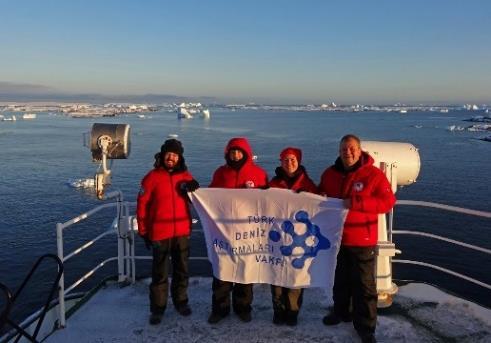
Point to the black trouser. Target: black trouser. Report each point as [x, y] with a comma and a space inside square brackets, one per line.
[355, 281]
[286, 301]
[178, 249]
[241, 297]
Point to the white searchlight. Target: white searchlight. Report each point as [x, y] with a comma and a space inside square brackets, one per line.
[401, 164]
[108, 141]
[402, 158]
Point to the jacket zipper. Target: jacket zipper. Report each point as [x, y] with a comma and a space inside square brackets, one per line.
[173, 204]
[341, 191]
[236, 179]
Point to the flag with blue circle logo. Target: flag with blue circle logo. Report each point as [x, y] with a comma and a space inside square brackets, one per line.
[272, 236]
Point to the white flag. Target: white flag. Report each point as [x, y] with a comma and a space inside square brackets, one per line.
[272, 236]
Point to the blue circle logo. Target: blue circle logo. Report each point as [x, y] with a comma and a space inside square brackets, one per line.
[310, 241]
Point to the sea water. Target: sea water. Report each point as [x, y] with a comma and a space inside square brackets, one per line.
[39, 158]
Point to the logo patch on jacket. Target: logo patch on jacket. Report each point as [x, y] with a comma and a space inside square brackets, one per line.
[249, 184]
[358, 186]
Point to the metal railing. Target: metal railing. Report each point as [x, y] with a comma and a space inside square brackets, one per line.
[444, 207]
[124, 228]
[455, 209]
[18, 331]
[125, 247]
[7, 305]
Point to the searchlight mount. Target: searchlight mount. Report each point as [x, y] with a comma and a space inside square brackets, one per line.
[107, 142]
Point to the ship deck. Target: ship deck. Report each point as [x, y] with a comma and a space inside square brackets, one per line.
[420, 313]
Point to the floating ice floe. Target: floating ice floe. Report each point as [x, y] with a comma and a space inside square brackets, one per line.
[455, 128]
[480, 119]
[479, 127]
[82, 183]
[27, 116]
[473, 128]
[11, 118]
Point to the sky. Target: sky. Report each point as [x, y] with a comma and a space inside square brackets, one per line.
[265, 51]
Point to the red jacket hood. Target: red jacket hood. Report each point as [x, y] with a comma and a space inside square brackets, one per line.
[241, 143]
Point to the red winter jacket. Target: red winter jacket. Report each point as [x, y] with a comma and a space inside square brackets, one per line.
[302, 182]
[370, 195]
[248, 176]
[162, 212]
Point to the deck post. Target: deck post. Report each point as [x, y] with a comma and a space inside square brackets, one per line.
[385, 248]
[61, 289]
[127, 236]
[121, 240]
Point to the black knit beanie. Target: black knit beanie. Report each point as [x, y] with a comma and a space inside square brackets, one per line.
[172, 145]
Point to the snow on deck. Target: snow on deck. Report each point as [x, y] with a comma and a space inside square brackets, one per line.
[420, 313]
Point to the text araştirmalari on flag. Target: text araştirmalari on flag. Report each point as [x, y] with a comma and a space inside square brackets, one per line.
[272, 236]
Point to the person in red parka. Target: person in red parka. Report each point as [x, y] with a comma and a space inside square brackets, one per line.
[366, 193]
[291, 175]
[239, 172]
[164, 223]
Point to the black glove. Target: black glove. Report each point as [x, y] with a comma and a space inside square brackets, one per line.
[300, 190]
[192, 185]
[264, 187]
[189, 186]
[148, 242]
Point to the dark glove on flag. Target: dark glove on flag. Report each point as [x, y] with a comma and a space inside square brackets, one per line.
[192, 185]
[189, 186]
